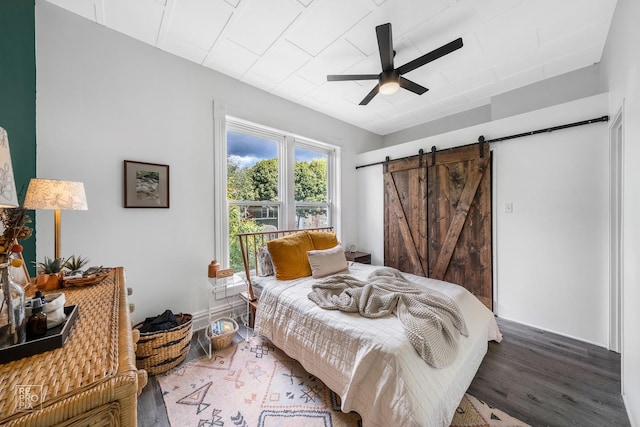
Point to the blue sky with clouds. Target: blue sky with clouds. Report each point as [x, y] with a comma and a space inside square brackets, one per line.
[246, 150]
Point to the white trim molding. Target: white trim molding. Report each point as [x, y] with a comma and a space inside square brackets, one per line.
[220, 217]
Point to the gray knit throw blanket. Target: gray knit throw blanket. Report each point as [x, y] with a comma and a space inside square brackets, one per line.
[432, 321]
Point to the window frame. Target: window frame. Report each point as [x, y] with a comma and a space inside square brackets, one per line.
[287, 142]
[308, 145]
[237, 125]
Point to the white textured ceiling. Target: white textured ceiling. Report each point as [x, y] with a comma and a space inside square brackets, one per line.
[287, 47]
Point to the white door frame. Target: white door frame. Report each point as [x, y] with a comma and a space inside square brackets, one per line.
[616, 231]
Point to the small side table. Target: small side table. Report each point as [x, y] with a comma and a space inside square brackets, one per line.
[221, 298]
[361, 257]
[252, 306]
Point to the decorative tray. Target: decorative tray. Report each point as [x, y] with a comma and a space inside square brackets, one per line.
[55, 338]
[91, 279]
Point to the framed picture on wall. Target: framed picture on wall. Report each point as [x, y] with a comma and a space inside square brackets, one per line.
[146, 185]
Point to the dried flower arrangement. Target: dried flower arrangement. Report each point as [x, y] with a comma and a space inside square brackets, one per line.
[15, 223]
[12, 319]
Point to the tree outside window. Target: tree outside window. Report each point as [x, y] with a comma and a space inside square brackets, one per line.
[254, 186]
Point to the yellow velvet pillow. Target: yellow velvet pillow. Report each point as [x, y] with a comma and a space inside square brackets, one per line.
[289, 255]
[323, 240]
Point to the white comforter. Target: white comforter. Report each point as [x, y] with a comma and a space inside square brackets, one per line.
[370, 363]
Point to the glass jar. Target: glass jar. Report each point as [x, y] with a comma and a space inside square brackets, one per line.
[12, 318]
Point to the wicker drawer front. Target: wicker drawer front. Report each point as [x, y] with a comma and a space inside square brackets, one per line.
[94, 369]
[106, 415]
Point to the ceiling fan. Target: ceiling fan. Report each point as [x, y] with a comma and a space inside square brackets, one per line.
[390, 79]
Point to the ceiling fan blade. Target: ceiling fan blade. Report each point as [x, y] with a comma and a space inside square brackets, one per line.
[370, 95]
[431, 56]
[342, 77]
[385, 46]
[413, 87]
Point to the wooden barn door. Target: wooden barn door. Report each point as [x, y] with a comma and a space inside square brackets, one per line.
[405, 216]
[438, 217]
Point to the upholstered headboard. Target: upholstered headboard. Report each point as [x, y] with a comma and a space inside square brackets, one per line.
[250, 243]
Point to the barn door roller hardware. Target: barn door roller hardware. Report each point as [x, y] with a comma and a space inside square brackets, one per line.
[504, 138]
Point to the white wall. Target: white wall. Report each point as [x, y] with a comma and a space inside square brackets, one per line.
[551, 252]
[560, 89]
[103, 98]
[621, 65]
[556, 90]
[471, 117]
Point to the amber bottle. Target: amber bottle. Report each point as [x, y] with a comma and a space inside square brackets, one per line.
[37, 322]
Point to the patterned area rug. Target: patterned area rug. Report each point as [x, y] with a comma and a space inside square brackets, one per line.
[255, 384]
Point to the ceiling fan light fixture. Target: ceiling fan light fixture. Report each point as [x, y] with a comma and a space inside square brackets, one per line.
[389, 87]
[391, 78]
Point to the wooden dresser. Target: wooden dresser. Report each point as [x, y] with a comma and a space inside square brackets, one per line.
[92, 379]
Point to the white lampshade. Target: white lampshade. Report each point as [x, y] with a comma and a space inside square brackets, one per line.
[55, 194]
[8, 193]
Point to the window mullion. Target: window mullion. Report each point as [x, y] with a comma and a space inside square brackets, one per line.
[288, 199]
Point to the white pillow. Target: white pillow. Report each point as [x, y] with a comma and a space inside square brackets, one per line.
[327, 261]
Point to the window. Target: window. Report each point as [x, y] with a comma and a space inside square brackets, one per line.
[311, 186]
[275, 179]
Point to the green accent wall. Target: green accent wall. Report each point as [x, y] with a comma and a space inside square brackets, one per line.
[18, 97]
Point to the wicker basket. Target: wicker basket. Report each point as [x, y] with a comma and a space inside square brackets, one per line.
[222, 341]
[158, 352]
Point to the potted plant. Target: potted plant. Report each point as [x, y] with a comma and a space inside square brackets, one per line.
[50, 273]
[75, 264]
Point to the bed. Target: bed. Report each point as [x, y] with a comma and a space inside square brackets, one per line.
[370, 363]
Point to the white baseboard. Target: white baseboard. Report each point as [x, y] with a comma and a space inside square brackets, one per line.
[555, 332]
[629, 414]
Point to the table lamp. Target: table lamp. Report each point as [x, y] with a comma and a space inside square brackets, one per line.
[57, 195]
[8, 194]
[11, 323]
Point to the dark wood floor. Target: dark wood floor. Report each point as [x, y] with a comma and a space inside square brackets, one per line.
[151, 409]
[548, 380]
[541, 378]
